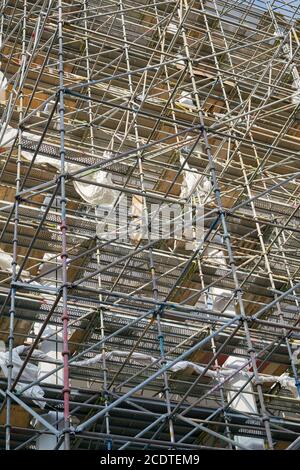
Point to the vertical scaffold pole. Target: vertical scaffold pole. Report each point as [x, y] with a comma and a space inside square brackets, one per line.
[63, 228]
[12, 311]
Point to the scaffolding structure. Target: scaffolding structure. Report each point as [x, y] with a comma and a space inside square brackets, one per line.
[113, 113]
